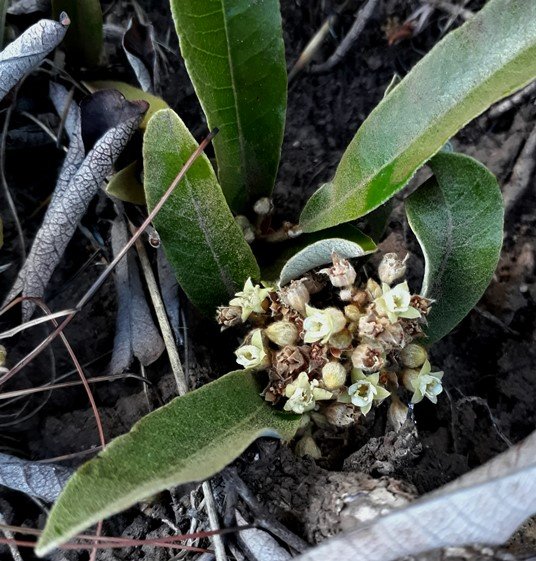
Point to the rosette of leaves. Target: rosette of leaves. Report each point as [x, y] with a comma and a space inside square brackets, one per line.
[457, 217]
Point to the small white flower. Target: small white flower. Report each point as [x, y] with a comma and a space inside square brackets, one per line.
[366, 390]
[250, 299]
[303, 394]
[252, 355]
[395, 302]
[320, 325]
[426, 384]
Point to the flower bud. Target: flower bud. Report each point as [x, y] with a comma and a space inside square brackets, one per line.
[295, 295]
[392, 268]
[263, 206]
[333, 375]
[3, 354]
[373, 289]
[341, 274]
[413, 355]
[369, 357]
[282, 333]
[306, 446]
[341, 340]
[352, 312]
[409, 376]
[340, 415]
[397, 413]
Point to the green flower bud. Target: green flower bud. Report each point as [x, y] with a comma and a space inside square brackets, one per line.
[352, 312]
[282, 333]
[3, 354]
[333, 375]
[341, 340]
[413, 355]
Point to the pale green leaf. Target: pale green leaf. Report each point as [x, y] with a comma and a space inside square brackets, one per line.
[203, 243]
[235, 56]
[132, 94]
[190, 439]
[319, 253]
[457, 217]
[83, 42]
[486, 59]
[126, 186]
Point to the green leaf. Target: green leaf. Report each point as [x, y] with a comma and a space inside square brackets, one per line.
[132, 94]
[486, 59]
[235, 56]
[190, 439]
[274, 257]
[203, 243]
[126, 186]
[83, 42]
[457, 217]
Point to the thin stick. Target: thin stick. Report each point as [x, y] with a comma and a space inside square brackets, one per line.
[9, 536]
[210, 506]
[351, 37]
[3, 179]
[43, 127]
[33, 322]
[104, 275]
[163, 321]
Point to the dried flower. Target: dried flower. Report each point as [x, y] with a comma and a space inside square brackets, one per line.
[228, 316]
[413, 356]
[282, 333]
[366, 390]
[369, 357]
[296, 295]
[373, 289]
[303, 394]
[320, 325]
[423, 383]
[395, 303]
[333, 375]
[290, 360]
[397, 413]
[250, 299]
[341, 274]
[392, 268]
[393, 336]
[253, 354]
[340, 415]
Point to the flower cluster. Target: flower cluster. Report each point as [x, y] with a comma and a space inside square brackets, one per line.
[342, 357]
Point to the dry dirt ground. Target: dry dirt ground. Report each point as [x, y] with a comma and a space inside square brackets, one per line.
[488, 360]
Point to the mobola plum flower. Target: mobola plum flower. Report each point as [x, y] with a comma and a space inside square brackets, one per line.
[320, 325]
[396, 302]
[366, 390]
[250, 299]
[423, 383]
[303, 395]
[253, 355]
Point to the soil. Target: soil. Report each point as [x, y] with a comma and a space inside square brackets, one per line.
[488, 359]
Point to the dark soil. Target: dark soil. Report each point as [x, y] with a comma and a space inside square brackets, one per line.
[488, 360]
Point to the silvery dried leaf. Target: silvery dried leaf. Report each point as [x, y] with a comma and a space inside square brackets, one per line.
[259, 544]
[28, 50]
[44, 481]
[65, 211]
[136, 333]
[138, 44]
[484, 506]
[23, 7]
[169, 288]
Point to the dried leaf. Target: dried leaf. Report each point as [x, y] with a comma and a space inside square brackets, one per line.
[44, 481]
[169, 288]
[484, 506]
[28, 50]
[23, 7]
[260, 544]
[138, 43]
[63, 215]
[136, 332]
